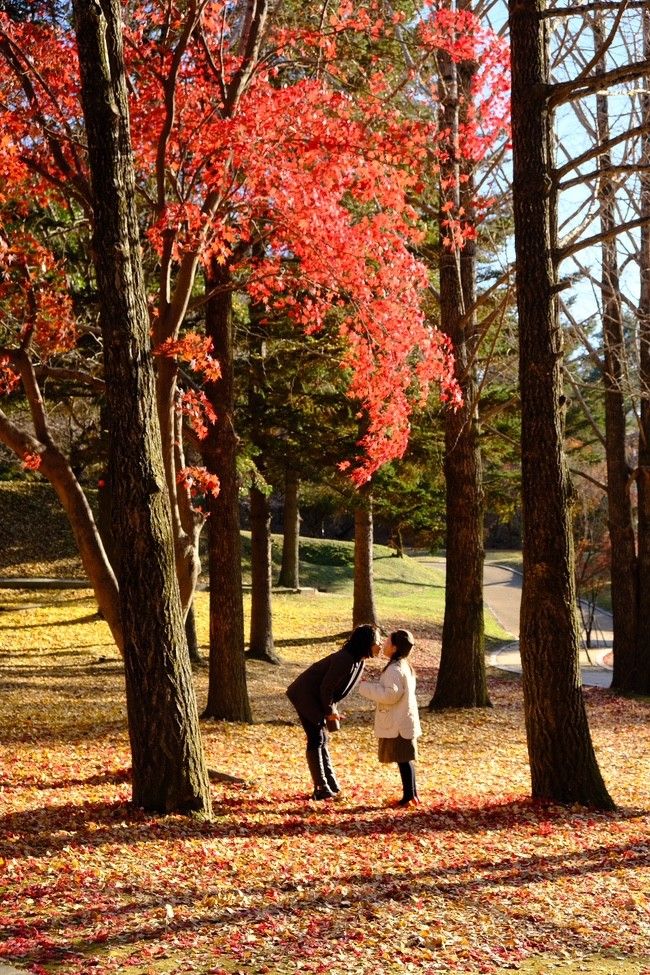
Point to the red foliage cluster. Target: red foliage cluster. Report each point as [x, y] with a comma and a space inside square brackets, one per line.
[301, 190]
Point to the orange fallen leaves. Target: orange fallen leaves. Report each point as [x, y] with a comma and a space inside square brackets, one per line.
[477, 879]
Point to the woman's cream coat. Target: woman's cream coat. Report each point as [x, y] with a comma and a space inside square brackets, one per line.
[394, 694]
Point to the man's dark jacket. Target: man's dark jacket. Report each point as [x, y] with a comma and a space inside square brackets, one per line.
[315, 692]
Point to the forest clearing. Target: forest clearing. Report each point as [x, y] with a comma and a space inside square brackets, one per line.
[477, 879]
[335, 273]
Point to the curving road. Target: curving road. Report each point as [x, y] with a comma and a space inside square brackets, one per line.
[502, 596]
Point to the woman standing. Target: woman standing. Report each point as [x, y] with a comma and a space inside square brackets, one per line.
[397, 721]
[315, 694]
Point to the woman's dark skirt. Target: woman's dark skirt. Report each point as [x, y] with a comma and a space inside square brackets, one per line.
[397, 749]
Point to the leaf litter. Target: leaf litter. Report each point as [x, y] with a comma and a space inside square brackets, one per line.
[478, 879]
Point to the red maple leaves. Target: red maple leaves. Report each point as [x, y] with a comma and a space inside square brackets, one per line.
[305, 193]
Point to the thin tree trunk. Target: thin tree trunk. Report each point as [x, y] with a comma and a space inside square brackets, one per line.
[290, 568]
[363, 606]
[261, 633]
[619, 506]
[227, 689]
[462, 678]
[261, 645]
[642, 670]
[169, 771]
[192, 638]
[185, 542]
[562, 760]
[397, 541]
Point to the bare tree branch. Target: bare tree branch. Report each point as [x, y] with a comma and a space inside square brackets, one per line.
[559, 173]
[79, 376]
[566, 91]
[600, 53]
[588, 477]
[628, 169]
[561, 253]
[601, 6]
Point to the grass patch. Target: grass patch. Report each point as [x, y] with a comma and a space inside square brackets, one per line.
[36, 535]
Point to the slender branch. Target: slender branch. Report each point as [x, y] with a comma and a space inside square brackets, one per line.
[630, 168]
[258, 10]
[65, 186]
[583, 337]
[561, 253]
[600, 6]
[170, 101]
[14, 57]
[218, 74]
[501, 435]
[70, 376]
[590, 417]
[599, 150]
[588, 477]
[566, 91]
[602, 50]
[585, 222]
[170, 322]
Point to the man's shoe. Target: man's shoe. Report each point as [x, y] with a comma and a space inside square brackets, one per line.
[321, 787]
[321, 793]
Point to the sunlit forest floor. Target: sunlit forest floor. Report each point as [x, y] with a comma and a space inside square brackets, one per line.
[476, 879]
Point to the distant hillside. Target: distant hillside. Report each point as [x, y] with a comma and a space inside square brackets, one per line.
[35, 537]
[35, 540]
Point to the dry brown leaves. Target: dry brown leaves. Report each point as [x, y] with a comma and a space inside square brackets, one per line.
[477, 879]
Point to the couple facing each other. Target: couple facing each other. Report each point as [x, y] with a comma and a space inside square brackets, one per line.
[317, 690]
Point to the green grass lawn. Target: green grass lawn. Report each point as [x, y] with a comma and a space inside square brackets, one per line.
[406, 590]
[37, 542]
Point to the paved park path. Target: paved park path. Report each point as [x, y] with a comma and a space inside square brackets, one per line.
[502, 596]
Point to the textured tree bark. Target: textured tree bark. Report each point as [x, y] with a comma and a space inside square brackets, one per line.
[619, 505]
[562, 760]
[227, 689]
[169, 772]
[261, 646]
[642, 685]
[363, 605]
[462, 680]
[290, 568]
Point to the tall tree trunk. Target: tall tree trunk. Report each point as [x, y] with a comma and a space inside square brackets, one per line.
[290, 568]
[261, 635]
[261, 645]
[619, 505]
[227, 689]
[169, 771]
[562, 760]
[363, 605]
[642, 685]
[462, 678]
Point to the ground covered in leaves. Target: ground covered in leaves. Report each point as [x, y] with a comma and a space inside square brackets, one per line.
[477, 879]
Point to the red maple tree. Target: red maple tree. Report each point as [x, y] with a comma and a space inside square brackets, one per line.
[301, 190]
